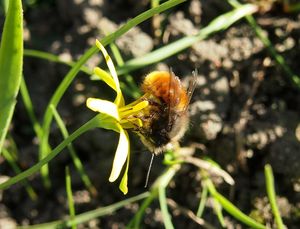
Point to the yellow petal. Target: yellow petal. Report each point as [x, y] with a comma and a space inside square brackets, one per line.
[121, 155]
[129, 110]
[131, 123]
[109, 63]
[103, 106]
[105, 77]
[119, 100]
[141, 105]
[123, 184]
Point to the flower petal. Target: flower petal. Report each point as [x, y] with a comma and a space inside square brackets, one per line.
[121, 155]
[109, 63]
[123, 184]
[107, 122]
[119, 100]
[107, 78]
[103, 106]
[132, 109]
[131, 123]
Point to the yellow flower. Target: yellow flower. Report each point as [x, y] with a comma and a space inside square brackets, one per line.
[119, 117]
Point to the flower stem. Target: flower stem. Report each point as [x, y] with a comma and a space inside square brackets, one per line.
[94, 122]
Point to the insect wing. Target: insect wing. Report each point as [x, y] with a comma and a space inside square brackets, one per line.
[174, 90]
[191, 88]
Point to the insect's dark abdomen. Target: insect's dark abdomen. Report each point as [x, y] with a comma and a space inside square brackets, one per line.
[159, 133]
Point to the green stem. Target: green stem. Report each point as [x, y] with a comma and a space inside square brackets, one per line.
[158, 187]
[53, 58]
[231, 209]
[272, 196]
[70, 197]
[94, 122]
[76, 160]
[218, 24]
[164, 208]
[134, 89]
[54, 101]
[161, 184]
[203, 200]
[86, 216]
[11, 160]
[29, 108]
[136, 221]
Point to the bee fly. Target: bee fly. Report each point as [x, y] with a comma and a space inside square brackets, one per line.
[166, 118]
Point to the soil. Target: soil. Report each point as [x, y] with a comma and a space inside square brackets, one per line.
[244, 112]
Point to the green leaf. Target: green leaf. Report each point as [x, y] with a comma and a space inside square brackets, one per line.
[11, 61]
[70, 197]
[272, 196]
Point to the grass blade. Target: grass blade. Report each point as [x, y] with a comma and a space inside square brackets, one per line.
[70, 197]
[136, 221]
[4, 5]
[220, 23]
[29, 108]
[164, 208]
[202, 202]
[272, 196]
[53, 58]
[93, 123]
[76, 160]
[85, 217]
[161, 184]
[11, 62]
[231, 208]
[12, 161]
[218, 210]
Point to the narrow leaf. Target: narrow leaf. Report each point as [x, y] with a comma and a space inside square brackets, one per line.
[11, 61]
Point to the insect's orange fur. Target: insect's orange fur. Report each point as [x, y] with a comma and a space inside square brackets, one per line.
[161, 85]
